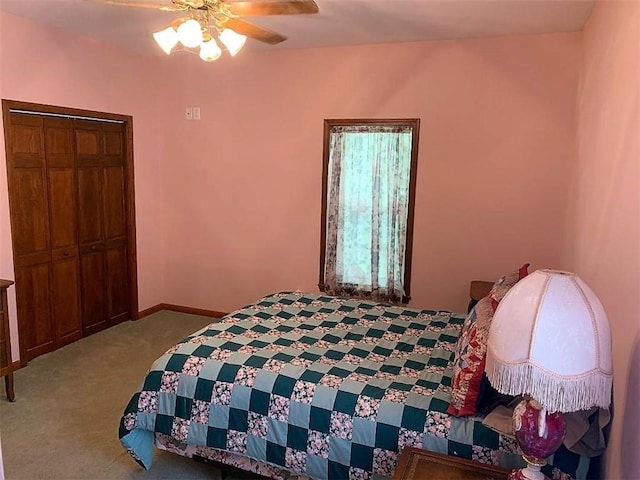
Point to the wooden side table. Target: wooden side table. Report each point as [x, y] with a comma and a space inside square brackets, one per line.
[478, 289]
[419, 464]
[6, 362]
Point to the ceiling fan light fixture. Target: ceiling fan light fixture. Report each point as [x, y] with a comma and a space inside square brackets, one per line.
[166, 39]
[190, 33]
[232, 40]
[210, 51]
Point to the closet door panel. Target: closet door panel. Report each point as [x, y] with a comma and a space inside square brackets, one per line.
[90, 204]
[58, 133]
[30, 215]
[27, 140]
[114, 209]
[33, 299]
[61, 181]
[93, 290]
[117, 284]
[87, 142]
[27, 185]
[62, 207]
[113, 144]
[66, 300]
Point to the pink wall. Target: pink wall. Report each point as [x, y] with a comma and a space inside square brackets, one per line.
[228, 208]
[44, 65]
[496, 151]
[604, 218]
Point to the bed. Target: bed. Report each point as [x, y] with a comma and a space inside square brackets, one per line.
[309, 385]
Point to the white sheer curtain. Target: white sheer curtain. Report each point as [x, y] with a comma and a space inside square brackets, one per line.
[367, 211]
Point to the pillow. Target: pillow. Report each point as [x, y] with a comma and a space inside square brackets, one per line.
[488, 397]
[469, 359]
[470, 355]
[504, 284]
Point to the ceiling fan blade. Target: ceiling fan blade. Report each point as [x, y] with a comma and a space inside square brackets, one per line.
[254, 31]
[272, 7]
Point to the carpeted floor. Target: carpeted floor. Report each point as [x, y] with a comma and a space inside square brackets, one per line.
[64, 422]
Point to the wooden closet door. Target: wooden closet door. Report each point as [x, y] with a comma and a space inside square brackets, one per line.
[42, 192]
[103, 232]
[65, 269]
[28, 198]
[72, 220]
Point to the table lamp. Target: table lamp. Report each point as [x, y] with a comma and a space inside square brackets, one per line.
[550, 342]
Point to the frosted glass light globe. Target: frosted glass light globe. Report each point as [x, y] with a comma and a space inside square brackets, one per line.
[210, 51]
[190, 33]
[232, 40]
[166, 39]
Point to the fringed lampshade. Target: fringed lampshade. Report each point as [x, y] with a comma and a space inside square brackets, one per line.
[550, 341]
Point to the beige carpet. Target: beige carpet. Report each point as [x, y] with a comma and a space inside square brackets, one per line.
[64, 422]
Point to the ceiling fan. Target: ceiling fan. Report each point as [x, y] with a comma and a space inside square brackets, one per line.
[207, 20]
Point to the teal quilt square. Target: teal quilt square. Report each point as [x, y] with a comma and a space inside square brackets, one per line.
[186, 348]
[240, 397]
[387, 437]
[210, 370]
[435, 444]
[396, 362]
[461, 430]
[352, 386]
[390, 413]
[239, 358]
[485, 436]
[257, 447]
[299, 414]
[317, 467]
[264, 380]
[324, 397]
[364, 432]
[321, 367]
[297, 438]
[277, 432]
[418, 401]
[146, 421]
[187, 385]
[166, 403]
[380, 383]
[340, 450]
[183, 408]
[293, 371]
[219, 416]
[197, 434]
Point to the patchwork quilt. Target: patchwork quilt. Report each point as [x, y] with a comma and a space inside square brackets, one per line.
[318, 386]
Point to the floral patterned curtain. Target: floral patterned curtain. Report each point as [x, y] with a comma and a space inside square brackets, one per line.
[367, 209]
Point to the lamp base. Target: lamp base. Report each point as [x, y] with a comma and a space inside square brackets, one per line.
[539, 434]
[532, 472]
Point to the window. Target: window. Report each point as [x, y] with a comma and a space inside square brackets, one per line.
[368, 193]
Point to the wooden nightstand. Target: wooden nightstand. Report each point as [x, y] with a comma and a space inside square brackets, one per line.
[6, 362]
[478, 289]
[418, 464]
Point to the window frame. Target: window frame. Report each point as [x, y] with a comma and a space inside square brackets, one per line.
[414, 124]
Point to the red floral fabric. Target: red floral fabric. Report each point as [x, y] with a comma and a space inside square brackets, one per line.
[469, 361]
[471, 349]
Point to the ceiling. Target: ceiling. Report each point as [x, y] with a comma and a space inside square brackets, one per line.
[340, 22]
